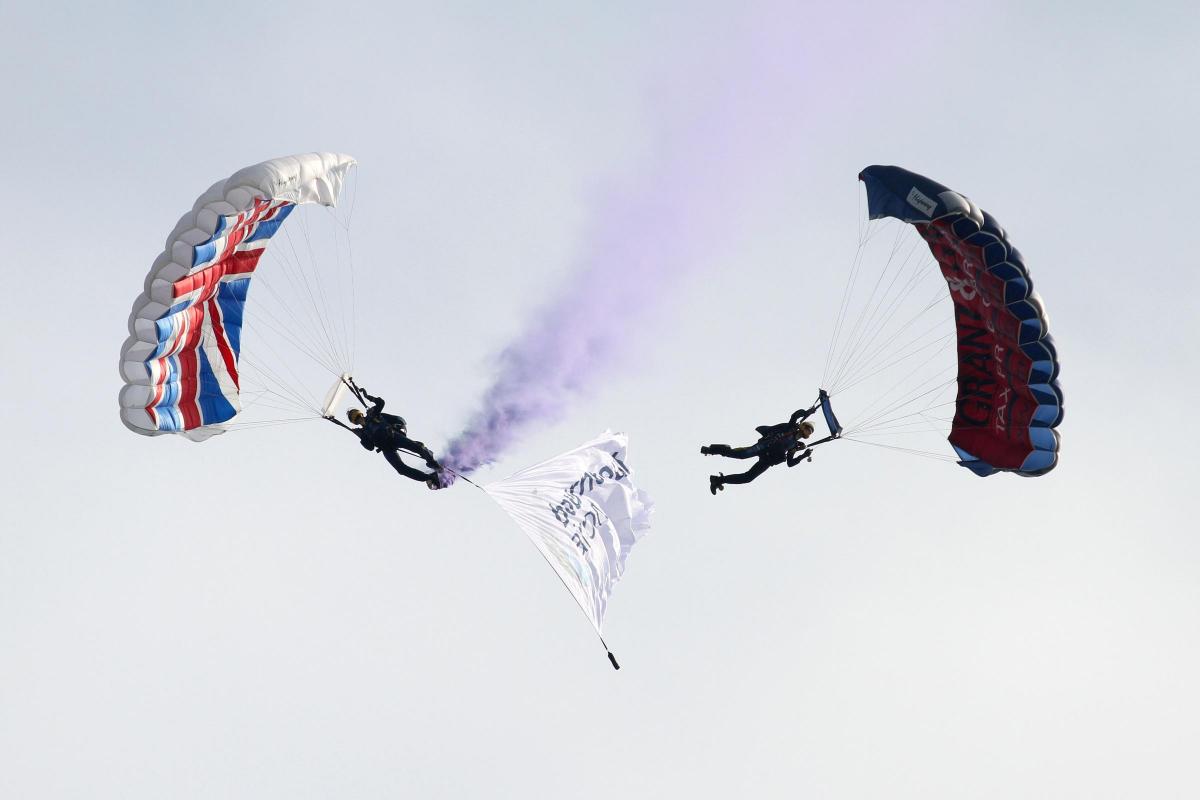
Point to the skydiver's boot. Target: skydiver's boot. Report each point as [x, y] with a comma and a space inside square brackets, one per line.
[716, 483]
[715, 449]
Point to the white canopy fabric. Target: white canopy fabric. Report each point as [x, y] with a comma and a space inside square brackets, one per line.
[583, 513]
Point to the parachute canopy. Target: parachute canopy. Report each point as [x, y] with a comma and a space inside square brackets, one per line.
[1009, 401]
[180, 362]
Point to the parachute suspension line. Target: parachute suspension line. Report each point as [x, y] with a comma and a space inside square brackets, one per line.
[267, 389]
[855, 380]
[338, 348]
[279, 390]
[835, 343]
[245, 359]
[272, 378]
[844, 306]
[863, 355]
[353, 298]
[905, 401]
[318, 298]
[350, 189]
[303, 330]
[869, 325]
[282, 330]
[345, 271]
[893, 400]
[871, 358]
[257, 403]
[847, 290]
[339, 271]
[296, 389]
[260, 425]
[908, 450]
[322, 299]
[256, 394]
[314, 309]
[302, 335]
[896, 423]
[296, 280]
[851, 342]
[884, 326]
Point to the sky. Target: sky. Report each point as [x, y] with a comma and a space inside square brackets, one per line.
[275, 614]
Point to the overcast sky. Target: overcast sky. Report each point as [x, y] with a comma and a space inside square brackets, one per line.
[274, 614]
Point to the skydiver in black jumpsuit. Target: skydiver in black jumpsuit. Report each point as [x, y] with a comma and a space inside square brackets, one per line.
[776, 444]
[388, 433]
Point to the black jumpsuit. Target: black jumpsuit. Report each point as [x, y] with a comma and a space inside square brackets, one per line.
[774, 444]
[386, 433]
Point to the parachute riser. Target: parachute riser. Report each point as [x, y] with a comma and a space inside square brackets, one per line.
[831, 420]
[829, 438]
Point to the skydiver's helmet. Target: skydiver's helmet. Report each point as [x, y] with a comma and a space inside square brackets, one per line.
[805, 430]
[355, 416]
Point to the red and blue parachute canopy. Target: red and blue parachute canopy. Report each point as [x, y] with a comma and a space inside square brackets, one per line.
[180, 362]
[1009, 401]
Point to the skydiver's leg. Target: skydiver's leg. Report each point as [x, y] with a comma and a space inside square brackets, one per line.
[393, 458]
[759, 468]
[412, 445]
[730, 452]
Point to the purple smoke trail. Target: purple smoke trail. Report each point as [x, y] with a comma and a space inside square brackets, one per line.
[717, 146]
[644, 238]
[575, 336]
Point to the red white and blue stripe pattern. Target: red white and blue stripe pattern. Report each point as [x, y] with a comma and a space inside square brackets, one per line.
[180, 363]
[194, 369]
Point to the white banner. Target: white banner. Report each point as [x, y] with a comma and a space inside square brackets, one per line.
[583, 513]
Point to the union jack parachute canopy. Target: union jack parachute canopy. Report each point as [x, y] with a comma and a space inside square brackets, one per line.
[180, 363]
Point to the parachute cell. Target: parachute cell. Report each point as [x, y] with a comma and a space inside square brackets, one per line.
[1009, 401]
[181, 360]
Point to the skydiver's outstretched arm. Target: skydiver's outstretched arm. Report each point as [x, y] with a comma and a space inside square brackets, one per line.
[357, 433]
[801, 414]
[801, 453]
[376, 403]
[354, 387]
[364, 398]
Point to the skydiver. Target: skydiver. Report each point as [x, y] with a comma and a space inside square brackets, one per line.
[388, 434]
[776, 444]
